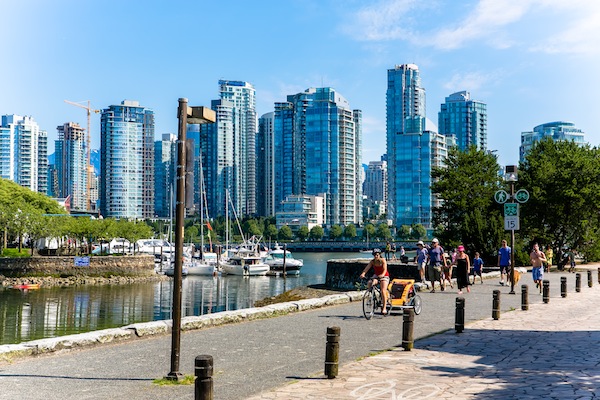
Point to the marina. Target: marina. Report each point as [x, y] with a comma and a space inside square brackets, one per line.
[57, 311]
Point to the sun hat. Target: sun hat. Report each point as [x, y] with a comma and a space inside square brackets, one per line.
[420, 242]
[435, 240]
[461, 248]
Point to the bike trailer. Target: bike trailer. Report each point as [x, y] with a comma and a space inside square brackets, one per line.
[399, 290]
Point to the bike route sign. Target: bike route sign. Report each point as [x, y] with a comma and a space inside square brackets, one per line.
[511, 216]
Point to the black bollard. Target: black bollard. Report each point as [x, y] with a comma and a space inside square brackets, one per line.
[546, 292]
[332, 351]
[578, 282]
[203, 387]
[496, 305]
[459, 320]
[590, 278]
[524, 297]
[563, 286]
[599, 276]
[408, 318]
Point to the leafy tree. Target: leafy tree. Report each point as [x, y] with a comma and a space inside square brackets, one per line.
[564, 205]
[285, 233]
[369, 231]
[418, 232]
[316, 233]
[336, 232]
[271, 231]
[191, 233]
[468, 214]
[302, 233]
[350, 231]
[404, 232]
[383, 231]
[251, 228]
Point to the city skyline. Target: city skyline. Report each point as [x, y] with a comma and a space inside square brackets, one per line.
[530, 61]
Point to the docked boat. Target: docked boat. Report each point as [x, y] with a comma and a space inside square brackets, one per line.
[245, 261]
[205, 265]
[276, 259]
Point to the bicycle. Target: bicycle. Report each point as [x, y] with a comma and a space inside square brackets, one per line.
[372, 301]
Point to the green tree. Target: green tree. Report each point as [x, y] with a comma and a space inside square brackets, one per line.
[271, 231]
[403, 232]
[191, 233]
[369, 231]
[302, 233]
[350, 231]
[285, 233]
[336, 232]
[251, 228]
[383, 231]
[316, 233]
[564, 205]
[468, 214]
[418, 232]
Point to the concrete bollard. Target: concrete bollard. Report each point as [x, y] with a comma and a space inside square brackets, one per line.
[332, 351]
[203, 387]
[590, 278]
[524, 297]
[496, 305]
[546, 292]
[459, 320]
[563, 286]
[408, 318]
[578, 282]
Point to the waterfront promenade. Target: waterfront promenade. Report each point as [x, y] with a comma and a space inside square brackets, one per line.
[546, 352]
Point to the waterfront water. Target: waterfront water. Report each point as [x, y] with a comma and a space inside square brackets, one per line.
[49, 312]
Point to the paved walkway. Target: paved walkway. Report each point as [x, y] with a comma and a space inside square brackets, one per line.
[550, 351]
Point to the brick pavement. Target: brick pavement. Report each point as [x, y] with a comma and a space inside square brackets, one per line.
[547, 352]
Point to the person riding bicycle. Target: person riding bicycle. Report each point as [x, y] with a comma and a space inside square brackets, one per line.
[380, 275]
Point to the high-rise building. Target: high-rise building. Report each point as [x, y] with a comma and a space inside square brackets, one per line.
[228, 149]
[464, 118]
[165, 174]
[265, 166]
[127, 161]
[70, 163]
[559, 130]
[24, 152]
[317, 152]
[412, 149]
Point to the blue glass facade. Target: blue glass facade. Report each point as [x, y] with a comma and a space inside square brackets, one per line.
[165, 173]
[70, 161]
[127, 161]
[559, 130]
[464, 118]
[410, 149]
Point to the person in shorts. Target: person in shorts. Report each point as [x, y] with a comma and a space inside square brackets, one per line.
[380, 274]
[437, 261]
[421, 259]
[477, 267]
[538, 258]
[504, 262]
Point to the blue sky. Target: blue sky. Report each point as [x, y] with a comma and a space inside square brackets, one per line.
[531, 61]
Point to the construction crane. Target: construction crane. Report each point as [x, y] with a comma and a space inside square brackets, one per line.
[88, 135]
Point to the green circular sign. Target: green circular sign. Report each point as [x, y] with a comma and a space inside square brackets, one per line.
[501, 196]
[522, 196]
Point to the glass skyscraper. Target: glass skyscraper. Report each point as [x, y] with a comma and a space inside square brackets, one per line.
[70, 163]
[464, 118]
[24, 152]
[559, 130]
[165, 159]
[265, 166]
[317, 152]
[127, 161]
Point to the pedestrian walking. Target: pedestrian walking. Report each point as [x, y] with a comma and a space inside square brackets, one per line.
[477, 267]
[571, 256]
[463, 266]
[421, 259]
[447, 269]
[549, 254]
[437, 261]
[504, 261]
[388, 249]
[538, 258]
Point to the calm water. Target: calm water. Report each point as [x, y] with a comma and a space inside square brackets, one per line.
[50, 312]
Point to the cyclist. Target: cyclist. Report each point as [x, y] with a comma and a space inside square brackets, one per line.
[380, 275]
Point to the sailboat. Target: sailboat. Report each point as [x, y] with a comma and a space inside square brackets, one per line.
[206, 263]
[244, 260]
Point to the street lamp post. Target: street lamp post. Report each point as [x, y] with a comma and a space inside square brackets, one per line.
[185, 115]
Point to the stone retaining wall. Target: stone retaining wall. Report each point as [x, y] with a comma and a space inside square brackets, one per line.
[343, 274]
[139, 265]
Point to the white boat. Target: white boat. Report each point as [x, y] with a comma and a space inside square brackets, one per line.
[170, 271]
[245, 262]
[206, 264]
[275, 261]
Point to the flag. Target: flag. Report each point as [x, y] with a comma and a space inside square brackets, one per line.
[208, 226]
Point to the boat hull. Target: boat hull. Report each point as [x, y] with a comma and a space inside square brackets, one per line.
[245, 270]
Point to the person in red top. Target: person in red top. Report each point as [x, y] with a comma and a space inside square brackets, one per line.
[380, 275]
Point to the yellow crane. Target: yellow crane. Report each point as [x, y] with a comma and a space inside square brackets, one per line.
[88, 135]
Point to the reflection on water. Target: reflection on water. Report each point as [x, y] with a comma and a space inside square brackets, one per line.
[49, 312]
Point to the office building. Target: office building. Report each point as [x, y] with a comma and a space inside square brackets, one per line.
[24, 152]
[559, 130]
[318, 152]
[165, 174]
[464, 118]
[127, 161]
[265, 166]
[70, 164]
[375, 188]
[302, 210]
